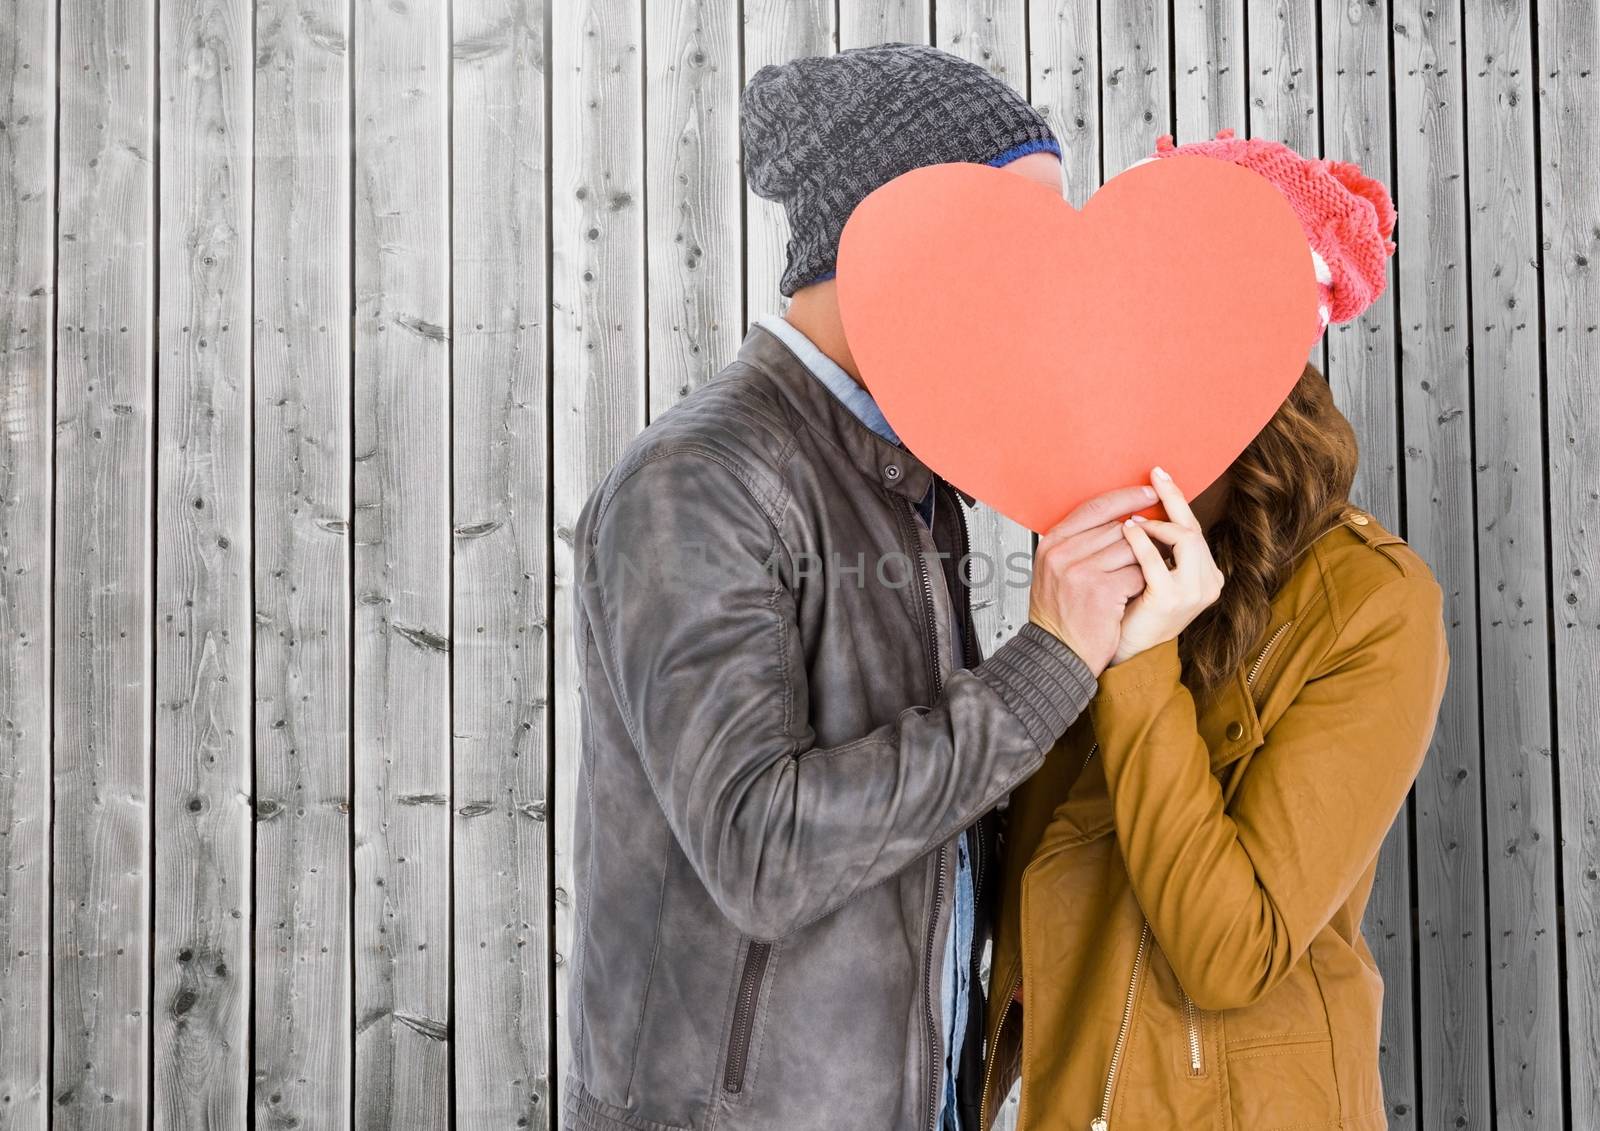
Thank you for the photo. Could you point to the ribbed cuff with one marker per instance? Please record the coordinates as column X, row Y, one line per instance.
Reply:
column 1044, row 682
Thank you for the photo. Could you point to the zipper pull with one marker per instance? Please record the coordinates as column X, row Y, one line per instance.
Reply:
column 1099, row 1125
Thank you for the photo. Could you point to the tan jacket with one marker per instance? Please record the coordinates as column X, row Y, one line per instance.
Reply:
column 1182, row 894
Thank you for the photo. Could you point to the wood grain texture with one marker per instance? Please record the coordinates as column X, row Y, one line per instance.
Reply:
column 103, row 680
column 403, row 627
column 203, row 622
column 398, row 345
column 1362, row 366
column 865, row 22
column 1437, row 422
column 500, row 748
column 1135, row 83
column 1569, row 167
column 776, row 31
column 597, row 327
column 27, row 377
column 1361, row 357
column 991, row 33
column 1208, row 41
column 1513, row 594
column 695, row 231
column 1064, row 86
column 1283, row 80
column 1282, row 87
column 303, row 1020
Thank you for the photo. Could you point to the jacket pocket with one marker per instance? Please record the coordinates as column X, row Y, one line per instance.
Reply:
column 744, row 1015
column 1284, row 1086
column 584, row 1111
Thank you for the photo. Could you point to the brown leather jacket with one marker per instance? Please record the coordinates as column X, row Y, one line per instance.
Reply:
column 1183, row 889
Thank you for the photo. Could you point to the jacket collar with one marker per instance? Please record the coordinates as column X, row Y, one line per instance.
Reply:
column 890, row 465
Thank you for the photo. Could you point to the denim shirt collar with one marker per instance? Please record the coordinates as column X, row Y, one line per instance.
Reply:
column 844, row 387
column 895, row 469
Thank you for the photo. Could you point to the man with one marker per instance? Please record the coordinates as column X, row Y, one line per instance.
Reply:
column 790, row 739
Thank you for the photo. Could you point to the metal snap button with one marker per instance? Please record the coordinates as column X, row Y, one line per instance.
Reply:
column 891, row 471
column 1359, row 519
column 1235, row 731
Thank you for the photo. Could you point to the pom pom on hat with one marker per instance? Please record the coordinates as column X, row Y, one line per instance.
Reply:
column 1346, row 215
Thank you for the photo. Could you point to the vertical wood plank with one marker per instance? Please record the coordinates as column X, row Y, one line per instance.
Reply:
column 776, row 31
column 27, row 376
column 1208, row 41
column 1284, row 73
column 1361, row 367
column 1357, row 88
column 1283, row 84
column 203, row 552
column 1514, row 632
column 1064, row 85
column 598, row 339
column 100, row 989
column 1569, row 155
column 863, row 23
column 1135, row 82
column 304, row 1026
column 994, row 35
column 402, row 566
column 990, row 33
column 1433, row 266
column 695, row 232
column 501, row 555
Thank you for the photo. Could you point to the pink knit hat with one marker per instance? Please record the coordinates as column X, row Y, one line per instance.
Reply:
column 1347, row 216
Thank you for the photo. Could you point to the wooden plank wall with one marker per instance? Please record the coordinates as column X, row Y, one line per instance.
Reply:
column 301, row 1005
column 318, row 322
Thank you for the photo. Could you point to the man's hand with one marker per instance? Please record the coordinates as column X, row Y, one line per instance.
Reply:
column 1085, row 573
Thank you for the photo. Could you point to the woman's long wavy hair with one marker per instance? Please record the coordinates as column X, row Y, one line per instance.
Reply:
column 1291, row 485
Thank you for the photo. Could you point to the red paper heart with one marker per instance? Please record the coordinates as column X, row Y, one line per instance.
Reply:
column 1035, row 355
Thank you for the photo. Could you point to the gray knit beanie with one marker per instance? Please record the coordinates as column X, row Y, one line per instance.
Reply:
column 820, row 133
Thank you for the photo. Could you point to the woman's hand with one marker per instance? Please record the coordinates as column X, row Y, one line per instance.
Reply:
column 1173, row 595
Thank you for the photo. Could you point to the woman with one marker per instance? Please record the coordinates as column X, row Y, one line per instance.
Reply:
column 1179, row 943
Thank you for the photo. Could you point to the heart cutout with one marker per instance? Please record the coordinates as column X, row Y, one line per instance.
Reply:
column 1036, row 355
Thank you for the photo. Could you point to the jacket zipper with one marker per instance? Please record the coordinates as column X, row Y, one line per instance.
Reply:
column 936, row 682
column 988, row 1069
column 1255, row 669
column 1103, row 1121
column 982, row 827
column 1191, row 1019
column 933, row 1022
column 744, row 1015
column 1191, row 1012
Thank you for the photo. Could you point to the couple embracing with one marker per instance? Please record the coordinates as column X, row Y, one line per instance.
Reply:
column 809, row 805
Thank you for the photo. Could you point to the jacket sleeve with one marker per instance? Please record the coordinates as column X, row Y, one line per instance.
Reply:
column 689, row 593
column 1235, row 898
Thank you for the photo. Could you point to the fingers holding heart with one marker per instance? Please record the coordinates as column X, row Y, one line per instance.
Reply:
column 1154, row 566
column 1101, row 511
column 1173, row 594
column 1176, row 543
column 1085, row 543
column 1172, row 499
column 1116, row 556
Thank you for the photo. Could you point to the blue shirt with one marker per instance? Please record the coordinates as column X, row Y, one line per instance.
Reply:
column 955, row 982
